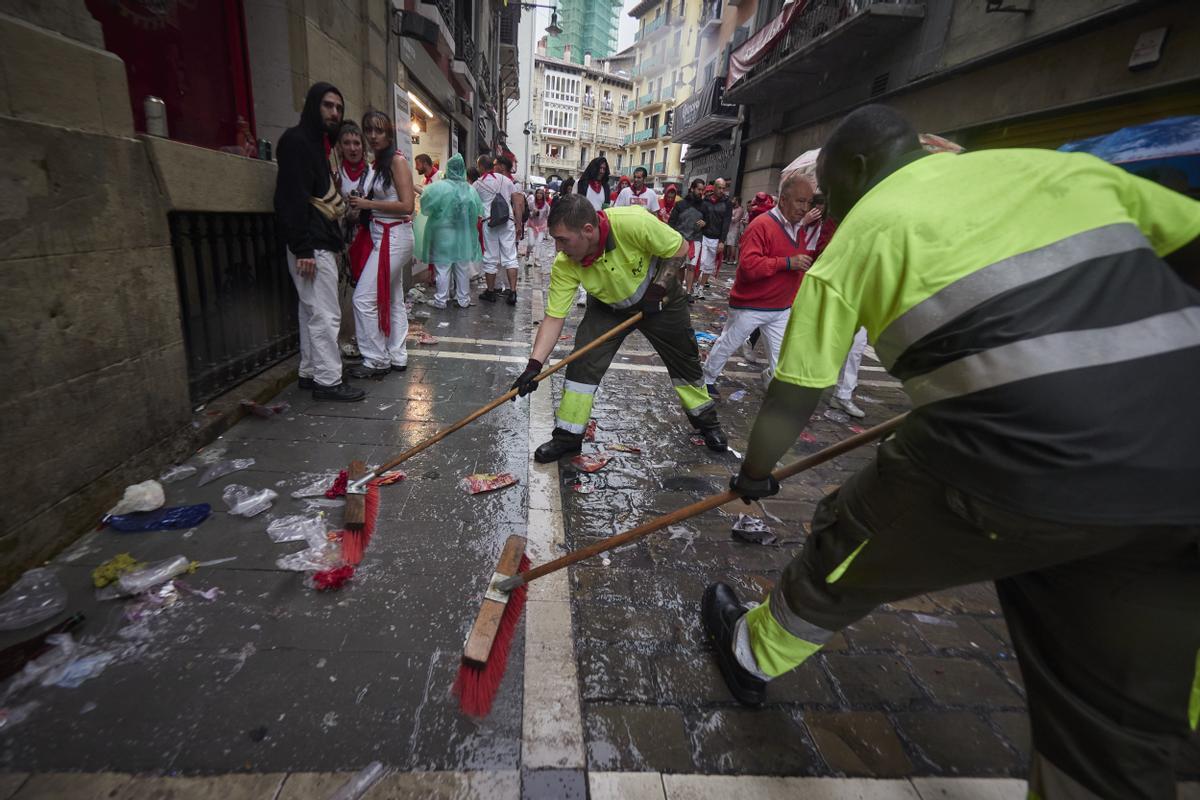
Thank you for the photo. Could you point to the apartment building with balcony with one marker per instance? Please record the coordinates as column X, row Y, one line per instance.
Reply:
column 579, row 112
column 1017, row 73
column 666, row 47
column 589, row 27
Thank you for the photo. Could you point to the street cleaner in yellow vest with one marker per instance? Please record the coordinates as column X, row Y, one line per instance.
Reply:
column 628, row 261
column 1035, row 307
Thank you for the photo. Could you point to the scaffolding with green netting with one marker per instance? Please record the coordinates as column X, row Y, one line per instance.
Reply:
column 589, row 27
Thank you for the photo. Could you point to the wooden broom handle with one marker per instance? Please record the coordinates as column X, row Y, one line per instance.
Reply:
column 509, row 395
column 700, row 506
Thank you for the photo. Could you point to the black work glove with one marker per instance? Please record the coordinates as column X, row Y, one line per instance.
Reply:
column 750, row 489
column 652, row 300
column 525, row 383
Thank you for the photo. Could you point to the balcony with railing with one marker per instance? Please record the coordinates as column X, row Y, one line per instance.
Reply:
column 647, row 99
column 806, row 40
column 644, row 134
column 650, row 28
column 664, row 130
column 464, row 53
column 660, row 168
column 710, row 16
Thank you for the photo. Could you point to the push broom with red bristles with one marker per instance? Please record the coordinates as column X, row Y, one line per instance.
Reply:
column 485, row 656
column 362, row 490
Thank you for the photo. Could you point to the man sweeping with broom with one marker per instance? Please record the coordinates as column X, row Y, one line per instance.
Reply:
column 1033, row 304
column 629, row 262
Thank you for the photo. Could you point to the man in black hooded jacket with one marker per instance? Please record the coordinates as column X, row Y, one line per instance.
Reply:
column 305, row 199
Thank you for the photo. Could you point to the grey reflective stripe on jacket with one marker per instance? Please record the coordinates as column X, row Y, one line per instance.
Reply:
column 638, row 293
column 982, row 285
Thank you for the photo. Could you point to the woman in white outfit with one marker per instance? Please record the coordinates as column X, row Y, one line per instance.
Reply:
column 539, row 215
column 380, row 318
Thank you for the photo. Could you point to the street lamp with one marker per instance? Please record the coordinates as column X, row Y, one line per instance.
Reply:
column 553, row 29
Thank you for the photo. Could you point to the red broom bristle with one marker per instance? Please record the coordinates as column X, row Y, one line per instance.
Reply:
column 354, row 542
column 476, row 687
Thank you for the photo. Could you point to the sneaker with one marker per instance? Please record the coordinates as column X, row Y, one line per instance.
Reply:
column 489, row 295
column 464, row 305
column 700, row 294
column 748, row 353
column 561, row 444
column 719, row 614
column 350, row 350
column 437, row 305
column 307, row 384
column 691, row 299
column 399, row 367
column 714, row 439
column 849, row 406
column 362, row 371
column 338, row 393
column 713, row 391
column 510, row 297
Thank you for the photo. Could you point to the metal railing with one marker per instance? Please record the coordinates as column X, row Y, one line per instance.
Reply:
column 464, row 46
column 237, row 301
column 664, row 130
column 644, row 134
column 710, row 14
column 660, row 168
column 446, row 9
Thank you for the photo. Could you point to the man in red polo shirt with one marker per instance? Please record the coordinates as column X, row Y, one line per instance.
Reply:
column 777, row 249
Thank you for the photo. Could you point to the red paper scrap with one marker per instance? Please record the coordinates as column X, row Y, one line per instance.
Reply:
column 478, row 482
column 805, row 436
column 338, row 488
column 388, row 478
column 589, row 463
column 426, row 338
column 583, row 488
column 857, row 429
column 698, row 441
column 332, row 578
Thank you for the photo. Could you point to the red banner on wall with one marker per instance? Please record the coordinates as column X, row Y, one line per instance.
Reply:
column 761, row 43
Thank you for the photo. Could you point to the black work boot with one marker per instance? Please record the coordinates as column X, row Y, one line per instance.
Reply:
column 719, row 612
column 307, row 384
column 510, row 297
column 338, row 393
column 714, row 438
column 363, row 371
column 562, row 443
column 489, row 295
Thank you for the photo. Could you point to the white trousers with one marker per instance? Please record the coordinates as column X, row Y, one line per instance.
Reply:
column 708, row 255
column 541, row 246
column 848, row 377
column 377, row 351
column 462, row 277
column 741, row 323
column 320, row 318
column 499, row 247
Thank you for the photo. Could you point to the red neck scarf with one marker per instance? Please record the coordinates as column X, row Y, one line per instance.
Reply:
column 603, row 241
column 354, row 171
column 595, row 186
column 327, row 144
column 638, row 192
column 539, row 201
column 429, row 176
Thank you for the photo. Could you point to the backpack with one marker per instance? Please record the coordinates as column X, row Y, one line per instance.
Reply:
column 498, row 213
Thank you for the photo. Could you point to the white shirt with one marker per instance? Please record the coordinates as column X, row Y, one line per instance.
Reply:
column 597, row 199
column 494, row 184
column 792, row 229
column 362, row 185
column 648, row 199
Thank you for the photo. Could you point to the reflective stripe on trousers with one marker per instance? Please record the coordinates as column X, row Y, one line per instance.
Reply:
column 575, row 407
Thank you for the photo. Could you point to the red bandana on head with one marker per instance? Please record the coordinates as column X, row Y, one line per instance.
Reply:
column 603, row 241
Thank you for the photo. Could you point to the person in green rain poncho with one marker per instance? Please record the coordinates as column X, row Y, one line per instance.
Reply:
column 446, row 231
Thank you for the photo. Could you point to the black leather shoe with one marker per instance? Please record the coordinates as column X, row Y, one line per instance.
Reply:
column 719, row 613
column 488, row 295
column 562, row 444
column 399, row 367
column 715, row 439
column 510, row 297
column 339, row 393
column 362, row 371
column 307, row 384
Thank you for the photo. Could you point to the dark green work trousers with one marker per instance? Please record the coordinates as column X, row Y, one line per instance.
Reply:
column 1105, row 621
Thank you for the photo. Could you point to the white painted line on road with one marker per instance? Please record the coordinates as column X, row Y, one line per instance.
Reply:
column 722, row 787
column 552, row 720
column 626, row 786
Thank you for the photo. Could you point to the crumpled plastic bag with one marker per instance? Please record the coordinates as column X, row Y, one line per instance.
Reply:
column 479, row 482
column 299, row 527
column 67, row 664
column 37, row 596
column 220, row 469
column 145, row 579
column 314, row 559
column 144, row 496
column 164, row 519
column 177, row 472
column 246, row 502
column 753, row 530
